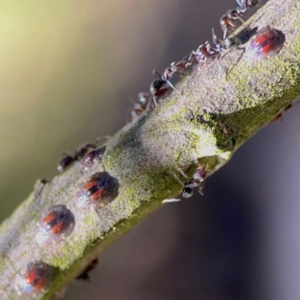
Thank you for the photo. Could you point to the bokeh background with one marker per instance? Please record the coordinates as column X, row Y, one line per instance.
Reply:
column 68, row 70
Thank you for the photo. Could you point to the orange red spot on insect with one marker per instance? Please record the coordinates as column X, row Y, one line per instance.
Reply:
column 34, row 278
column 56, row 224
column 99, row 190
column 266, row 43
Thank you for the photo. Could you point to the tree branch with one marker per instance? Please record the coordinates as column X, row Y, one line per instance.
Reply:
column 213, row 111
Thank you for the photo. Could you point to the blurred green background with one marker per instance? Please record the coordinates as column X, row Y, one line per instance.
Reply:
column 68, row 70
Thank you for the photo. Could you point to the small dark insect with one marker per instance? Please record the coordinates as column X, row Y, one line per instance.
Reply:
column 99, row 190
column 90, row 158
column 196, row 182
column 84, row 276
column 65, row 162
column 266, row 43
column 160, row 87
column 33, row 278
column 69, row 159
column 83, row 150
column 188, row 188
column 56, row 224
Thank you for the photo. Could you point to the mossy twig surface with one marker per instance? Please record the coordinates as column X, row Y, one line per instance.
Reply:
column 214, row 110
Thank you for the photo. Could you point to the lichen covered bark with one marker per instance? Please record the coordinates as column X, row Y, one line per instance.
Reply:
column 214, row 110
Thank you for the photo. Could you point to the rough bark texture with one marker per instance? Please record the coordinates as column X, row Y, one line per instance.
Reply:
column 213, row 111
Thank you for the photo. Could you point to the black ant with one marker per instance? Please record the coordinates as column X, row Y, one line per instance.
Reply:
column 90, row 158
column 212, row 50
column 197, row 182
column 207, row 51
column 65, row 162
column 162, row 86
column 69, row 159
column 83, row 150
column 159, row 88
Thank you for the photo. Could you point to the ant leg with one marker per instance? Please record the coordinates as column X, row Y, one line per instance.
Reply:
column 200, row 188
column 157, row 74
column 154, row 102
column 200, row 177
column 182, row 173
column 170, row 84
column 240, row 57
column 225, row 33
column 240, row 4
column 240, row 19
column 192, row 58
column 175, row 176
column 184, row 64
column 172, row 200
column 201, row 170
column 214, row 36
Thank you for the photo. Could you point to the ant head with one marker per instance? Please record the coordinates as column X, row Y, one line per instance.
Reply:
column 156, row 85
column 187, row 192
column 65, row 162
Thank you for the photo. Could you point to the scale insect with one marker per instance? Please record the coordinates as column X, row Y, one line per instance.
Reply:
column 98, row 190
column 34, row 278
column 265, row 43
column 56, row 223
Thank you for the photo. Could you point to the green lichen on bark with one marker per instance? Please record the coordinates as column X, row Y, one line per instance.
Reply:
column 213, row 111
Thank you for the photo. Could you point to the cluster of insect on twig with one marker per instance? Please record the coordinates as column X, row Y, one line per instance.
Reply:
column 100, row 189
column 266, row 42
column 204, row 54
column 163, row 86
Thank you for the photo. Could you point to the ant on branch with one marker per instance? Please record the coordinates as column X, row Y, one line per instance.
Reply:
column 196, row 182
column 228, row 20
column 162, row 86
column 212, row 50
column 208, row 51
column 69, row 159
column 81, row 153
